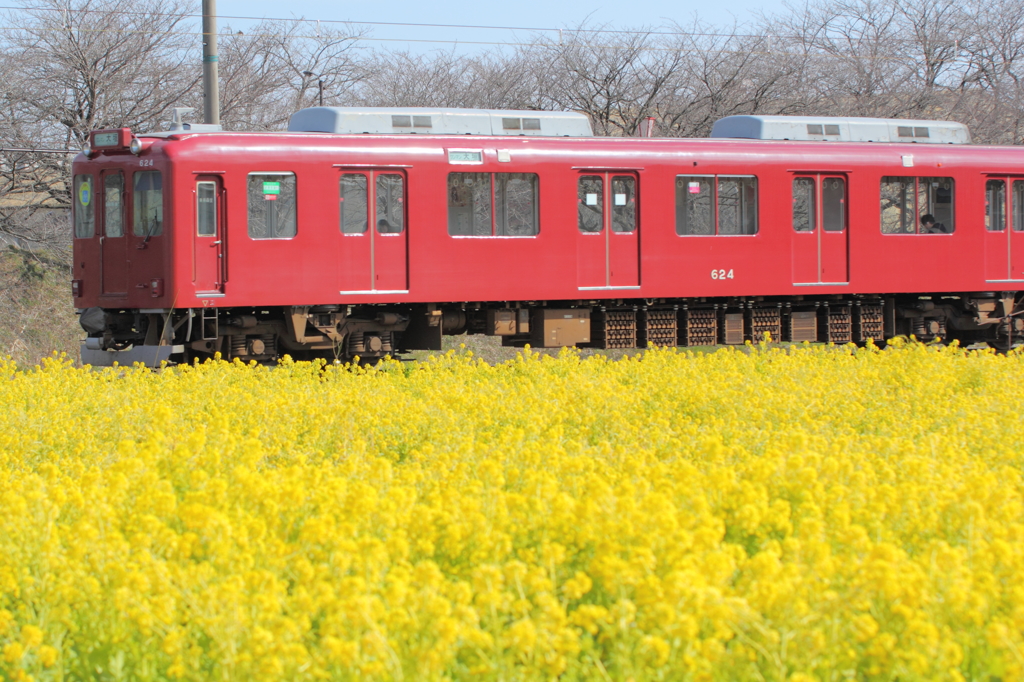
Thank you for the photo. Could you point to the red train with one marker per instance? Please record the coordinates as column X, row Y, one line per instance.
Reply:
column 363, row 232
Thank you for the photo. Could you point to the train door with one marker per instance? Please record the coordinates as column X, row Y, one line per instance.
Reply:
column 209, row 234
column 1004, row 229
column 374, row 246
column 608, row 245
column 113, row 241
column 820, row 229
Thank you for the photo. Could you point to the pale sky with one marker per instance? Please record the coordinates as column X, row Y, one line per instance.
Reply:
column 514, row 13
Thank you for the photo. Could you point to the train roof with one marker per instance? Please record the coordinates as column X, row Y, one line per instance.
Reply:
column 840, row 129
column 440, row 121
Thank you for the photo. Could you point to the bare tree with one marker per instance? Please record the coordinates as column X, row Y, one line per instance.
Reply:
column 76, row 65
column 615, row 78
column 724, row 74
column 995, row 48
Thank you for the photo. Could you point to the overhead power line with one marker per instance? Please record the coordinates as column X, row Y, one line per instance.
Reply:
column 39, row 151
column 769, row 52
column 476, row 27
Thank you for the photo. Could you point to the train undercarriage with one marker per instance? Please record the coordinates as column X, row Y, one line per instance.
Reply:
column 369, row 332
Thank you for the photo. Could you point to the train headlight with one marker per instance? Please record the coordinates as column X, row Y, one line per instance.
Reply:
column 135, row 147
column 87, row 149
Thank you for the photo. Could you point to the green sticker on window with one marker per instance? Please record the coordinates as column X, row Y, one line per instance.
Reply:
column 271, row 187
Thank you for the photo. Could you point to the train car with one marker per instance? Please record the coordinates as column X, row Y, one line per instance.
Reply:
column 367, row 232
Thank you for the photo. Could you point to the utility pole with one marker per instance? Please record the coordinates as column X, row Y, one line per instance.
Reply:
column 211, row 92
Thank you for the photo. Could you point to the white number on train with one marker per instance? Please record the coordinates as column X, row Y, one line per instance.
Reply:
column 721, row 274
column 145, row 162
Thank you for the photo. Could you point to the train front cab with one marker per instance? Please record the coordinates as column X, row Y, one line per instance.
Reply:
column 120, row 246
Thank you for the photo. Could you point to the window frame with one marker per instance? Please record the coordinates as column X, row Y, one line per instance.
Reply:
column 916, row 188
column 295, row 208
column 199, row 211
column 495, row 211
column 1016, row 207
column 365, row 198
column 138, row 205
column 716, row 203
column 119, row 212
column 599, row 203
column 86, row 218
column 377, row 177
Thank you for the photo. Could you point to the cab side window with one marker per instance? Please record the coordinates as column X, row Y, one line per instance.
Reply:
column 148, row 203
column 82, row 207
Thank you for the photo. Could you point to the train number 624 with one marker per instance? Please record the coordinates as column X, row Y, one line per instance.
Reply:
column 721, row 274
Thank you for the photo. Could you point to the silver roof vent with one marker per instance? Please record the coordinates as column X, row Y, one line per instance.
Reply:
column 825, row 128
column 423, row 120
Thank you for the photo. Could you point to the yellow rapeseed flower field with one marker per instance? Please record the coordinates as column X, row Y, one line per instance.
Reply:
column 791, row 514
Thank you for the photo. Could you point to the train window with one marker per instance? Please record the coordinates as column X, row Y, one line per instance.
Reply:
column 708, row 205
column 113, row 205
column 590, row 197
column 831, row 129
column 737, row 205
column 1018, row 205
column 390, row 204
column 515, row 204
column 804, row 205
column 148, row 204
column 833, row 204
column 908, row 203
column 272, row 199
column 510, row 124
column 352, row 202
column 623, row 204
column 206, row 209
column 897, row 205
column 995, row 205
column 469, row 204
column 935, row 199
column 695, row 204
column 85, row 217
